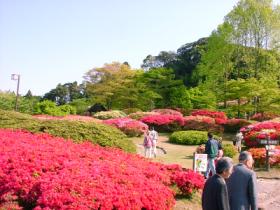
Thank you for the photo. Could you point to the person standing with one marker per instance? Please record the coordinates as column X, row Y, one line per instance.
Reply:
column 211, row 149
column 238, row 140
column 242, row 184
column 215, row 194
column 154, row 137
column 147, row 144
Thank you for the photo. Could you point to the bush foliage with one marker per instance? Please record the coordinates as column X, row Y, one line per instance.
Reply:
column 103, row 135
column 190, row 137
column 105, row 115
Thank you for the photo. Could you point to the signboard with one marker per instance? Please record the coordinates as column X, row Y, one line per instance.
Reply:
column 200, row 162
column 270, row 141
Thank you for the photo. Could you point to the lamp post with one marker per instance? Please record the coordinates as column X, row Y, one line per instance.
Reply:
column 16, row 77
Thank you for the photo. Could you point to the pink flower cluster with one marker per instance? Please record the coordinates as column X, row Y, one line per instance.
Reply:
column 163, row 119
column 260, row 130
column 129, row 126
column 259, row 155
column 42, row 172
column 168, row 112
column 68, row 117
column 220, row 117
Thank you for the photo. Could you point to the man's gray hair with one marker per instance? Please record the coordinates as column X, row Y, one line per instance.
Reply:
column 244, row 156
column 223, row 164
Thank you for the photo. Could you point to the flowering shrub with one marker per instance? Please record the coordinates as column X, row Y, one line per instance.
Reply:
column 68, row 117
column 209, row 113
column 139, row 115
column 202, row 123
column 256, row 131
column 38, row 171
column 168, row 111
column 233, row 125
column 164, row 122
column 129, row 126
column 104, row 115
column 263, row 116
column 259, row 155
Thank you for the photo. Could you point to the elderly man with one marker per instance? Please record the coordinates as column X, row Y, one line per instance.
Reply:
column 242, row 184
column 215, row 194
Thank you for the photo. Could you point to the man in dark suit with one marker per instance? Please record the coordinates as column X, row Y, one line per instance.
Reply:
column 215, row 194
column 242, row 184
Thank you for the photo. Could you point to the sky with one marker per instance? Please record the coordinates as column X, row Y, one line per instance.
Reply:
column 48, row 42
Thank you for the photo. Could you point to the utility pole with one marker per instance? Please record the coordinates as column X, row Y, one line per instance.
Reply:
column 16, row 77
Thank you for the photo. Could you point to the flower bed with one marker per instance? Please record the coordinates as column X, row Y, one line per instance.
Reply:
column 256, row 131
column 129, row 126
column 164, row 122
column 38, row 171
column 202, row 123
column 259, row 155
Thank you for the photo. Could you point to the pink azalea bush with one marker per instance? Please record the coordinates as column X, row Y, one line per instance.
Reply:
column 260, row 130
column 220, row 116
column 38, row 171
column 164, row 122
column 168, row 112
column 129, row 126
column 259, row 155
column 202, row 123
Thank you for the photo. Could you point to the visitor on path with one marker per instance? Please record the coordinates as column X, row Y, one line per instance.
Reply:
column 238, row 140
column 242, row 184
column 147, row 144
column 154, row 136
column 215, row 194
column 211, row 149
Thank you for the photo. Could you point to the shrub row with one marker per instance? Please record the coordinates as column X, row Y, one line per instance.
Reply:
column 97, row 133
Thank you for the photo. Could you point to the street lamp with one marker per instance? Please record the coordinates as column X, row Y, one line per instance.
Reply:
column 16, row 77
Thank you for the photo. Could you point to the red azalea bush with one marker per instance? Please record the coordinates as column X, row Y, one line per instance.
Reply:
column 202, row 123
column 233, row 125
column 168, row 111
column 164, row 122
column 129, row 126
column 259, row 155
column 38, row 171
column 214, row 114
column 256, row 131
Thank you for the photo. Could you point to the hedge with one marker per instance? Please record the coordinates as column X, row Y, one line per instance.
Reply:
column 103, row 135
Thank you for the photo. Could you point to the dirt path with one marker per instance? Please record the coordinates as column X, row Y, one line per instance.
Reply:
column 268, row 189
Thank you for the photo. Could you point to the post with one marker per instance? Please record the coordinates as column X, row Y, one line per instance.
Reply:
column 16, row 77
column 267, row 153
